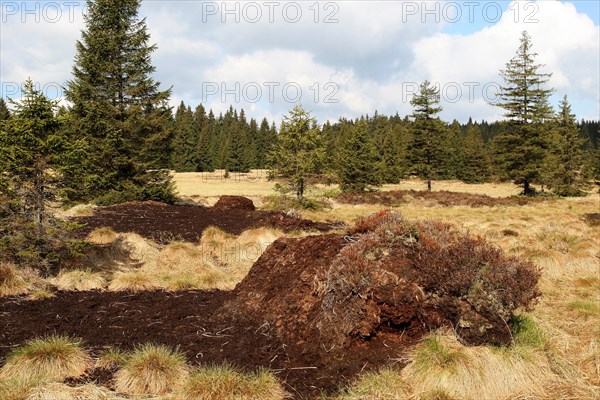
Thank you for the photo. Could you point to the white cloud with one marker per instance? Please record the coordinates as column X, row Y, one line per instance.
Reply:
column 376, row 53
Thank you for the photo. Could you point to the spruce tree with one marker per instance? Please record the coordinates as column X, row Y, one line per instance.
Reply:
column 236, row 151
column 186, row 138
column 425, row 151
column 357, row 159
column 31, row 162
column 117, row 107
column 298, row 152
column 521, row 150
column 475, row 166
column 569, row 175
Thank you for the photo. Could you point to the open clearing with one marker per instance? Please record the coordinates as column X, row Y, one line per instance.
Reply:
column 259, row 324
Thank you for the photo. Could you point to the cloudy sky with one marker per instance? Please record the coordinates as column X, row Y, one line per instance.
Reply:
column 336, row 58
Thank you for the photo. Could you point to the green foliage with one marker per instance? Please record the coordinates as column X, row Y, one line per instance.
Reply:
column 357, row 159
column 31, row 172
column 118, row 113
column 568, row 175
column 299, row 150
column 286, row 203
column 526, row 332
column 185, row 157
column 475, row 165
column 426, row 153
column 521, row 151
column 4, row 111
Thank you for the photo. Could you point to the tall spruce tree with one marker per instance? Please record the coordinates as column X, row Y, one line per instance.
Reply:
column 425, row 151
column 356, row 160
column 568, row 171
column 117, row 107
column 521, row 150
column 298, row 152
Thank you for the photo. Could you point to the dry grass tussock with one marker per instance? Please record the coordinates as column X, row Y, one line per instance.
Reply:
column 53, row 359
column 151, row 370
column 442, row 368
column 102, row 236
column 79, row 280
column 15, row 281
column 226, row 383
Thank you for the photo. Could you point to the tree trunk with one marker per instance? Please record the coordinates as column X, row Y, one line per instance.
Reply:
column 300, row 190
column 429, row 184
column 527, row 188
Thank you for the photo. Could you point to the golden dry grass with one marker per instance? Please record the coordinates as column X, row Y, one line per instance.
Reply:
column 212, row 184
column 132, row 281
column 15, row 281
column 151, row 370
column 385, row 384
column 226, row 383
column 79, row 280
column 53, row 358
column 18, row 389
column 102, row 236
column 60, row 391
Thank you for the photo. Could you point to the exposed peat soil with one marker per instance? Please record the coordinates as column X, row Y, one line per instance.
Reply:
column 164, row 223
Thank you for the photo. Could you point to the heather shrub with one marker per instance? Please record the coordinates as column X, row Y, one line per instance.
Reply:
column 399, row 272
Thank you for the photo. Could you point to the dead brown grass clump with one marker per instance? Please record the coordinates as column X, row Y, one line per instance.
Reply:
column 151, row 370
column 79, row 280
column 15, row 281
column 226, row 383
column 53, row 358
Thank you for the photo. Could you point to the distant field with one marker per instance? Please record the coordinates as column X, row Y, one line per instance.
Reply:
column 255, row 183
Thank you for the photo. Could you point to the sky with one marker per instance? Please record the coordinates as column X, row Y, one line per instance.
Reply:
column 335, row 58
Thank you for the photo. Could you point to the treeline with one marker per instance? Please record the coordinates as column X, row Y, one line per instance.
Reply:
column 202, row 142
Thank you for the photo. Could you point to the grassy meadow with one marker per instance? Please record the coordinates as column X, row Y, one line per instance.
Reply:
column 556, row 354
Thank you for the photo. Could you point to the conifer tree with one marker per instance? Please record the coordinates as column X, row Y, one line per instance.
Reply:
column 568, row 172
column 521, row 150
column 475, row 166
column 31, row 149
column 236, row 151
column 185, row 140
column 357, row 159
column 425, row 151
column 298, row 152
column 117, row 107
column 206, row 153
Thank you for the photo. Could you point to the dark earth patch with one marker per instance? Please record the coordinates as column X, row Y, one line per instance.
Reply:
column 442, row 198
column 192, row 321
column 164, row 223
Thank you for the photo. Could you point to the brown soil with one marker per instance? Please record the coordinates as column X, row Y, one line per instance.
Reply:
column 165, row 223
column 316, row 311
column 193, row 321
column 442, row 198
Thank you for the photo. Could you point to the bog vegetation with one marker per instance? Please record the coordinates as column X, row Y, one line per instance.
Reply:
column 118, row 140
